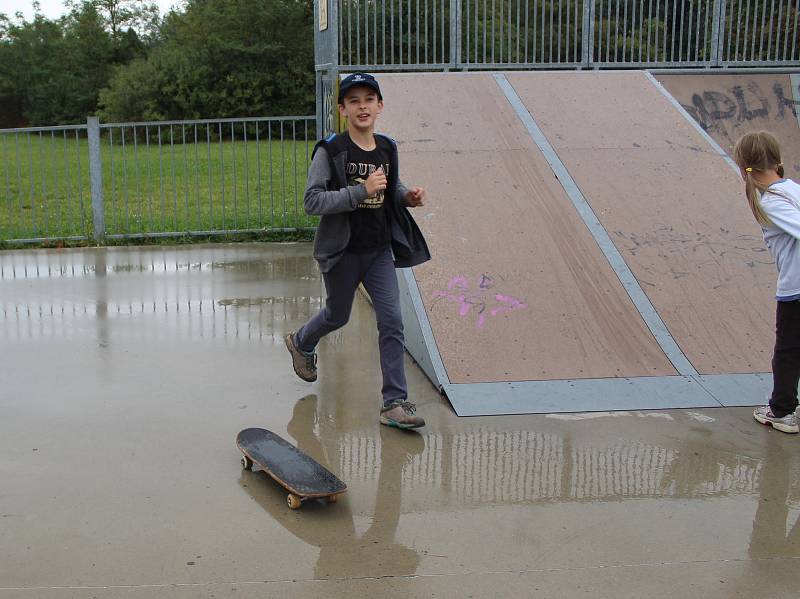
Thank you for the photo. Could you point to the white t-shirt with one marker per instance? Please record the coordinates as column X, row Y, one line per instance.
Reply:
column 783, row 236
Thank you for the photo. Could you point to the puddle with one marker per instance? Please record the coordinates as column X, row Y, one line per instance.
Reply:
column 244, row 302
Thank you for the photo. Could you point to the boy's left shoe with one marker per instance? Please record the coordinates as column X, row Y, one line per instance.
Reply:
column 304, row 363
column 401, row 414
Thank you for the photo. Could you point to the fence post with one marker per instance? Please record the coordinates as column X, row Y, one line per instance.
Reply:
column 455, row 33
column 326, row 59
column 588, row 34
column 96, row 179
column 718, row 32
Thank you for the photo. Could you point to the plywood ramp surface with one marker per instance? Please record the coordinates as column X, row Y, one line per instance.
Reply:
column 518, row 288
column 728, row 106
column 674, row 209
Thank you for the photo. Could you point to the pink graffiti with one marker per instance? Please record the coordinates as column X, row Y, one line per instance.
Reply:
column 458, row 291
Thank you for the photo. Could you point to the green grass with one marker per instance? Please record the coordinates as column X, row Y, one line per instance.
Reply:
column 150, row 189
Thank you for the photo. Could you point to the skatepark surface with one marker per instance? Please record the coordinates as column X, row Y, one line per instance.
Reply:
column 127, row 373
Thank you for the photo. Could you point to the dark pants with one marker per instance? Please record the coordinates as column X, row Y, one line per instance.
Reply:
column 786, row 359
column 376, row 271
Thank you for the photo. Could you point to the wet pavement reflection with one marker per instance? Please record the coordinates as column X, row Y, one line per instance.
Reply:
column 344, row 552
column 127, row 373
column 63, row 289
column 776, row 525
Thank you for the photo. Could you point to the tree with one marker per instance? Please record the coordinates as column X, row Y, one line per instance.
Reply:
column 52, row 71
column 134, row 93
column 120, row 16
column 27, row 71
column 222, row 58
column 88, row 60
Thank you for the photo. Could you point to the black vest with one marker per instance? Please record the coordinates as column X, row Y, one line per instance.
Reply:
column 408, row 243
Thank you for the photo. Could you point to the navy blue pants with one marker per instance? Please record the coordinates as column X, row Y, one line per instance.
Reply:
column 786, row 359
column 376, row 271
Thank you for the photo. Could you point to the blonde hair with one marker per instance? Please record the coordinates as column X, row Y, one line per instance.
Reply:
column 757, row 152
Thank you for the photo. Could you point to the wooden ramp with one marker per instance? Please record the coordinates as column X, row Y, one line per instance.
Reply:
column 592, row 246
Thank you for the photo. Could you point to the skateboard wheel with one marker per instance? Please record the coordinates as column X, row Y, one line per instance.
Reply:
column 333, row 499
column 293, row 501
column 247, row 463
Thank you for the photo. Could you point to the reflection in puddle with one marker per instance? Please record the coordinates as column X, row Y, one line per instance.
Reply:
column 176, row 320
column 245, row 302
column 485, row 466
column 47, row 294
column 392, row 475
column 345, row 551
column 482, row 465
column 263, row 262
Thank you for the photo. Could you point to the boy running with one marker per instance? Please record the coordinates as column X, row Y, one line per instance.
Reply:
column 364, row 233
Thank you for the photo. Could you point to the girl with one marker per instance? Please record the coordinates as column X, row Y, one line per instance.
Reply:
column 775, row 203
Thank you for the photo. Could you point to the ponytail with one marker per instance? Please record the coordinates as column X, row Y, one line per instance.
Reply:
column 754, row 200
column 761, row 152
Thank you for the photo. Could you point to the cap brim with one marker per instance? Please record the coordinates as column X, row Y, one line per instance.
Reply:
column 373, row 86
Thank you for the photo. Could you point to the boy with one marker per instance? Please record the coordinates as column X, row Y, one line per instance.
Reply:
column 364, row 234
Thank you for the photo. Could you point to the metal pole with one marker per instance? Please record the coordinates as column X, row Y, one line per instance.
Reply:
column 96, row 179
column 588, row 33
column 795, row 81
column 717, row 32
column 320, row 105
column 455, row 34
column 327, row 59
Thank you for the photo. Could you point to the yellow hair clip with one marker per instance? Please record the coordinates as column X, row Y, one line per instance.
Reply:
column 749, row 169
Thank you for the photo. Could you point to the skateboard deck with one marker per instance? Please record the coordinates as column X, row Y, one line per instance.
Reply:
column 295, row 471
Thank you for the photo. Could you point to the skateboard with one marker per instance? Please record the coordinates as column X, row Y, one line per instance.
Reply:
column 294, row 470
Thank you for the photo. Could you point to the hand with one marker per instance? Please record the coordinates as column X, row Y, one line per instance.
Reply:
column 375, row 183
column 416, row 196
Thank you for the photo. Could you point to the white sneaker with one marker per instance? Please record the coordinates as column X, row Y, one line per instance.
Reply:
column 787, row 424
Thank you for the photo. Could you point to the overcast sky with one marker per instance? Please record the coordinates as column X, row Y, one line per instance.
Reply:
column 54, row 8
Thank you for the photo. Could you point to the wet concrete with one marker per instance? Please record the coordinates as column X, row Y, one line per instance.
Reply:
column 127, row 372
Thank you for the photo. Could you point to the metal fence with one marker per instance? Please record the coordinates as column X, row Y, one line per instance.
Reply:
column 494, row 34
column 227, row 176
column 135, row 180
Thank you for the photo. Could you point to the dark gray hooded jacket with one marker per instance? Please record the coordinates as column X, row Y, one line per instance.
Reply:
column 327, row 195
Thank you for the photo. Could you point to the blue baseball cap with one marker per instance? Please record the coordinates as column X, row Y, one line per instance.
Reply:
column 356, row 80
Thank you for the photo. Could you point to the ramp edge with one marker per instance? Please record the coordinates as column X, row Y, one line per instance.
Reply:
column 607, row 395
column 682, row 111
column 419, row 338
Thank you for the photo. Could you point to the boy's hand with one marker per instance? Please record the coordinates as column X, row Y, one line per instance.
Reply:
column 416, row 196
column 375, row 182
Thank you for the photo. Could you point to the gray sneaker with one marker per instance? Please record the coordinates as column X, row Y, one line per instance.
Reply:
column 401, row 414
column 787, row 424
column 305, row 364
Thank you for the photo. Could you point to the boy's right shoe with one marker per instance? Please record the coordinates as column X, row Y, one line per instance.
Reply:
column 401, row 414
column 787, row 424
column 305, row 364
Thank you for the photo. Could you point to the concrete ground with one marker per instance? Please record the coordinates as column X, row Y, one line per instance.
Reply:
column 127, row 372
